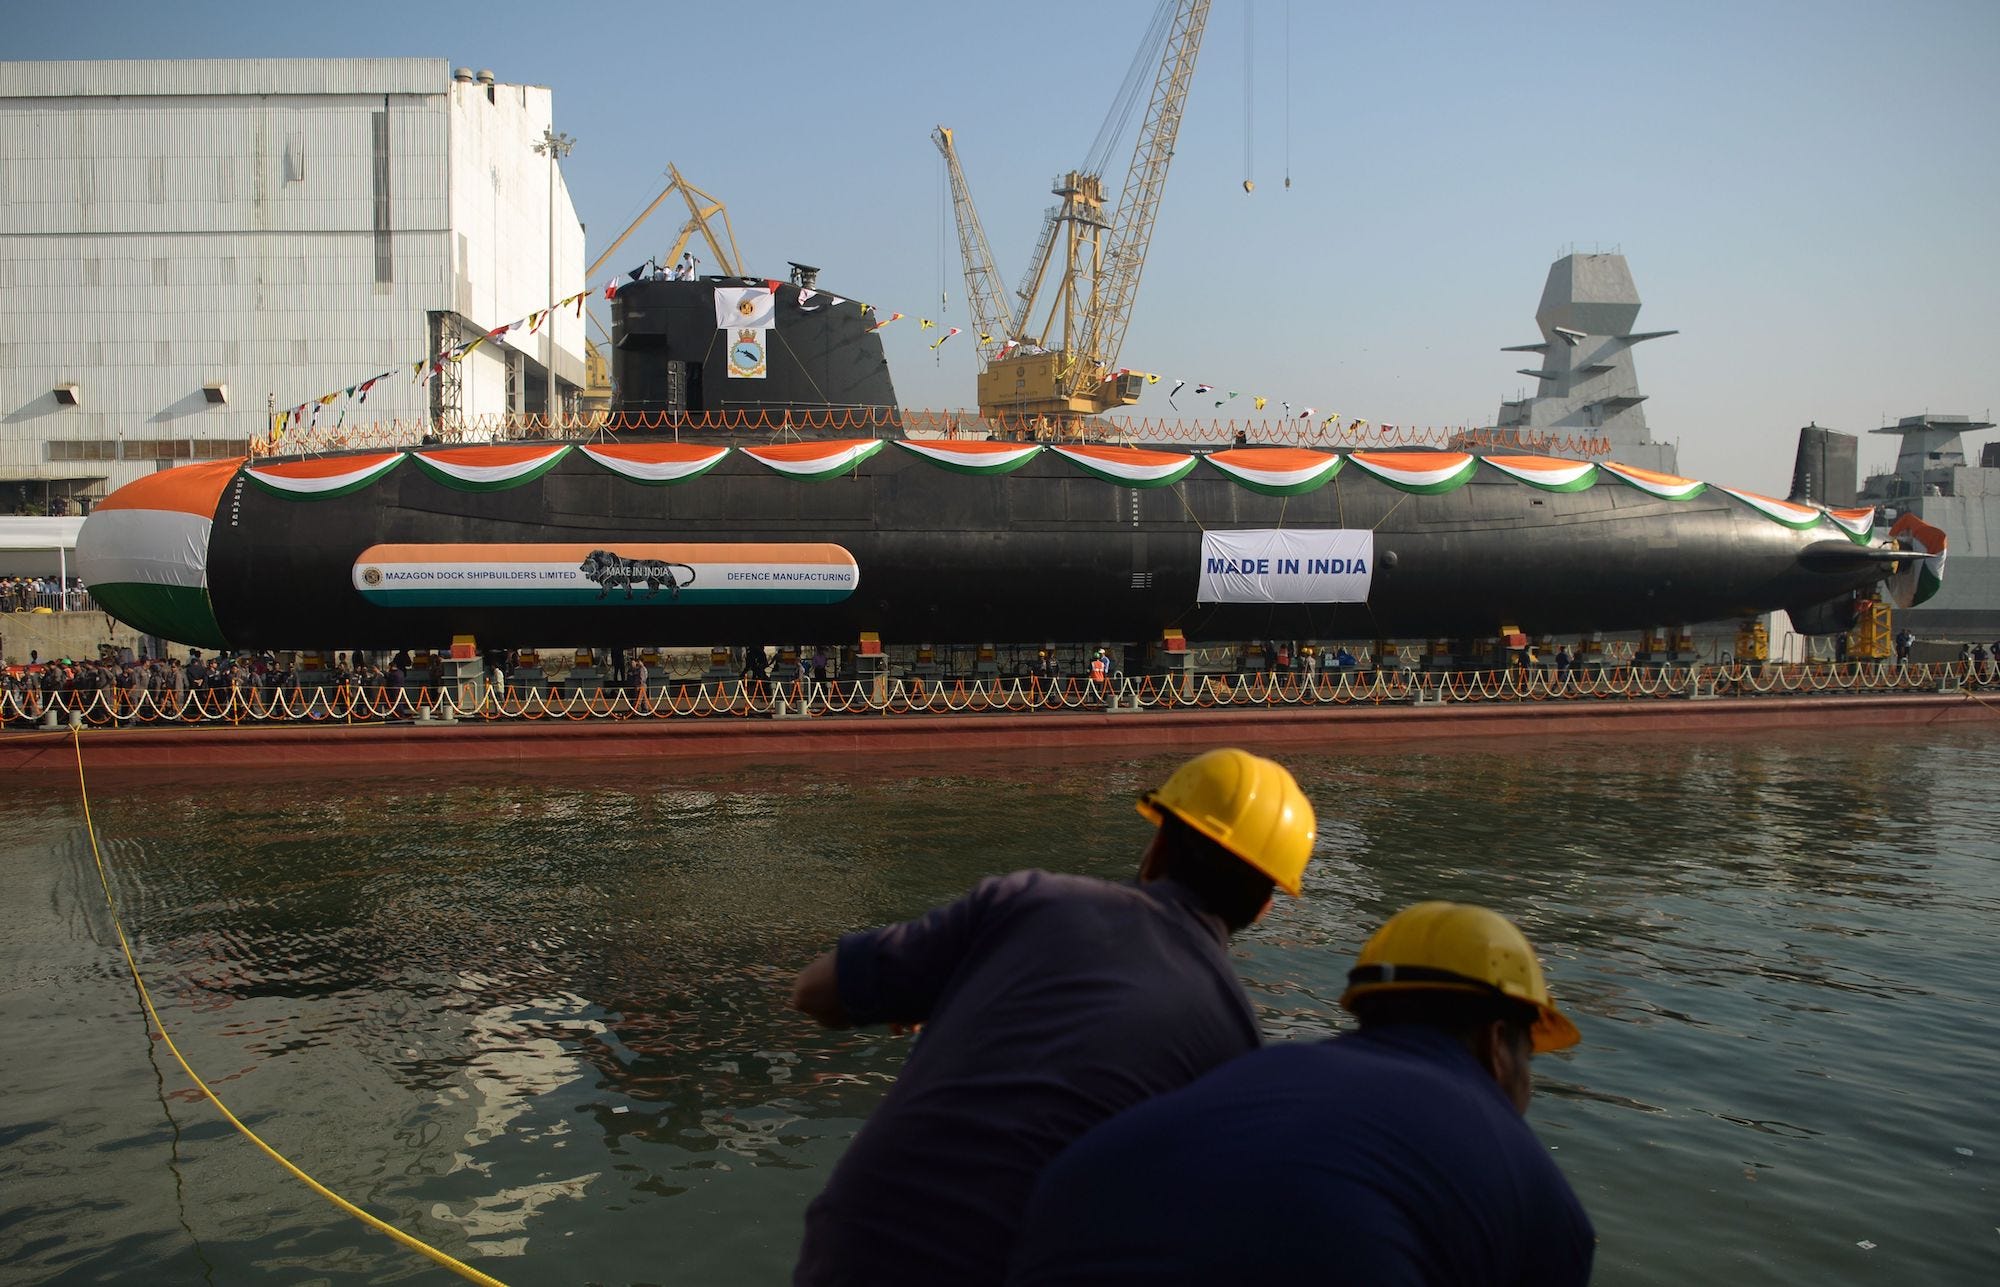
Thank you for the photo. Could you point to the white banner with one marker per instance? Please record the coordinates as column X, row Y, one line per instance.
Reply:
column 751, row 308
column 1284, row 565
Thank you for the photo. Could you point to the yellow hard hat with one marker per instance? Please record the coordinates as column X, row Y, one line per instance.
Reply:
column 1249, row 805
column 1457, row 947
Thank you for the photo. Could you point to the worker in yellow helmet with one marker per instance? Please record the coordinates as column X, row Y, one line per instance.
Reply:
column 1396, row 1154
column 1048, row 1003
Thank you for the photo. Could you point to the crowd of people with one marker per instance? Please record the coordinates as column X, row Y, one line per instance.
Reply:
column 116, row 680
column 1089, row 1099
column 27, row 593
column 119, row 679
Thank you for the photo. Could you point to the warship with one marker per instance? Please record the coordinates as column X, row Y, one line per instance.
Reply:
column 1935, row 484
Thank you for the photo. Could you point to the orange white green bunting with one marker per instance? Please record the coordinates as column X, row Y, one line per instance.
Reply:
column 1546, row 472
column 1425, row 472
column 1664, row 486
column 973, row 457
column 815, row 460
column 656, row 463
column 1859, row 524
column 1277, row 471
column 1790, row 513
column 323, row 477
column 1129, row 466
column 489, row 468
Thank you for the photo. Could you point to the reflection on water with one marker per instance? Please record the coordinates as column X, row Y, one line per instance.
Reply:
column 539, row 1022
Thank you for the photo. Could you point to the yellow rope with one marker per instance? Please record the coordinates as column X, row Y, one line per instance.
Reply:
column 422, row 1248
column 1987, row 702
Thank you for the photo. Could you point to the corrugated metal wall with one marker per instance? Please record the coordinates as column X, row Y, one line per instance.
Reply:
column 280, row 227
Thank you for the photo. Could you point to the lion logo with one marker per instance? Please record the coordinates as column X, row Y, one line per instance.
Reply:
column 611, row 571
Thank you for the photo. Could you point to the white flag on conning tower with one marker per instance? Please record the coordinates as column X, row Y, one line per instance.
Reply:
column 739, row 308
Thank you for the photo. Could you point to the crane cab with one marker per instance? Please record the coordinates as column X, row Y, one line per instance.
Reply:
column 1033, row 384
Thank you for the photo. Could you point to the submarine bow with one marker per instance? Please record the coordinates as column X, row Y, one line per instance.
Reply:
column 144, row 552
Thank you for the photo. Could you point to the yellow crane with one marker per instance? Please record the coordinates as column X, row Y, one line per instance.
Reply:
column 701, row 208
column 983, row 288
column 1085, row 268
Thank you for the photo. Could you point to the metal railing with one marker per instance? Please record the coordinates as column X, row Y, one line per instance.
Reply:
column 476, row 700
column 1260, row 428
column 16, row 600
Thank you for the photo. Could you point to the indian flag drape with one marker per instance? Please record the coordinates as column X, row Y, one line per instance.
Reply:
column 323, row 477
column 1546, row 472
column 656, row 463
column 488, row 469
column 1664, row 486
column 1790, row 513
column 971, row 457
column 1129, row 466
column 144, row 551
column 1277, row 471
column 1426, row 473
column 815, row 460
column 1859, row 524
column 1910, row 533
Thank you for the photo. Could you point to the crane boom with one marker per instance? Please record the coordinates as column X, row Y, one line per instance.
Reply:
column 1038, row 266
column 983, row 286
column 1132, row 228
column 728, row 261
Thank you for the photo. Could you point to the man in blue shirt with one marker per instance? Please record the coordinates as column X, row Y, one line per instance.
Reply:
column 1049, row 1003
column 1395, row 1156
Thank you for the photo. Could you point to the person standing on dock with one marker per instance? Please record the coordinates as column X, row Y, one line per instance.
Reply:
column 1395, row 1154
column 1049, row 1002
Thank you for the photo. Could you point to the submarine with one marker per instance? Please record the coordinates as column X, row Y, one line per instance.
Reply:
column 800, row 504
column 692, row 543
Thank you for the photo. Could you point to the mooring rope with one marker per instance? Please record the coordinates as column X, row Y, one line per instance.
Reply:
column 415, row 1244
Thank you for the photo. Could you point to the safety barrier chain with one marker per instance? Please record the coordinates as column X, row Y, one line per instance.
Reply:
column 740, row 698
column 875, row 422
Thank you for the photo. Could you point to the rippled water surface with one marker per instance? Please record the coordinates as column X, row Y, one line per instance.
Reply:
column 536, row 1017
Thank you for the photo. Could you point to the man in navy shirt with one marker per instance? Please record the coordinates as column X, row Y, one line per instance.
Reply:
column 1395, row 1156
column 1049, row 1003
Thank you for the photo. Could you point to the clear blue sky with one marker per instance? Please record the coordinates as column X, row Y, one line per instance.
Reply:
column 1805, row 189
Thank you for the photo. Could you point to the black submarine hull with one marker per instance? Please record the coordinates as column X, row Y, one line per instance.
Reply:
column 889, row 540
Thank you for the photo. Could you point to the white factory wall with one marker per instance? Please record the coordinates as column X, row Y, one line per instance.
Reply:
column 500, row 236
column 165, row 225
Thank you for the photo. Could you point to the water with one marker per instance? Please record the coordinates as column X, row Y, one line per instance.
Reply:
column 536, row 1018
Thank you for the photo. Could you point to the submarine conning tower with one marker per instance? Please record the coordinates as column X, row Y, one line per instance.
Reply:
column 672, row 358
column 1586, row 383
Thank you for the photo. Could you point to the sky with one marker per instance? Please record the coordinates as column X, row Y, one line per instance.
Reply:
column 1807, row 190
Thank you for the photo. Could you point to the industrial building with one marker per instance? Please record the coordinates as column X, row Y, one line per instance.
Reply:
column 188, row 247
